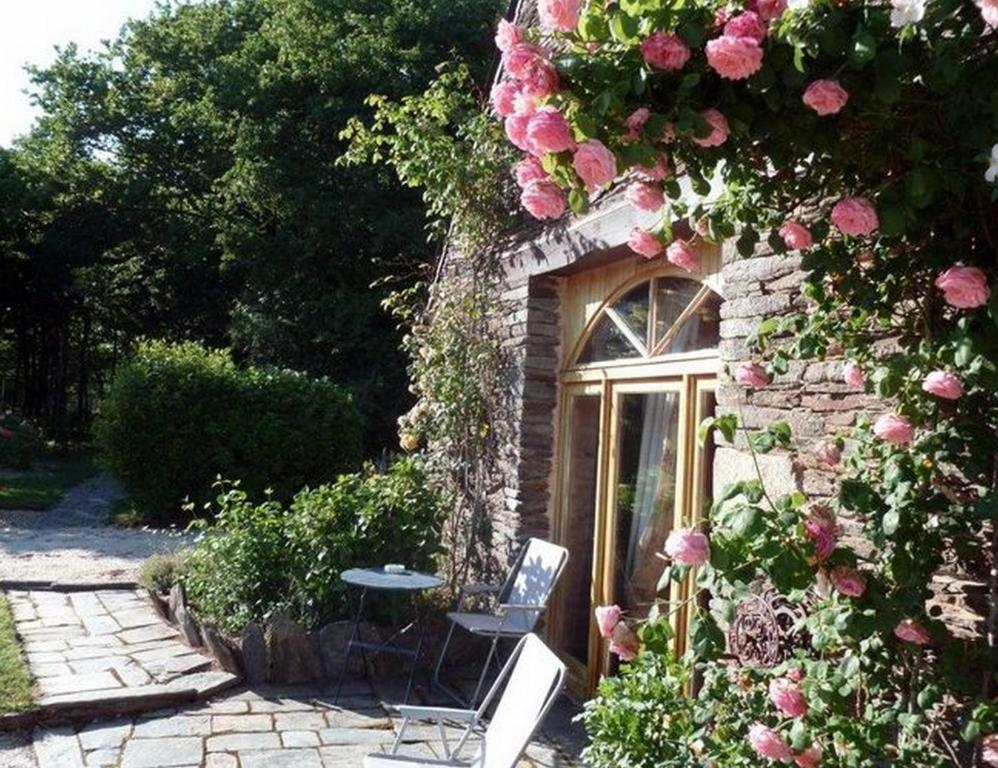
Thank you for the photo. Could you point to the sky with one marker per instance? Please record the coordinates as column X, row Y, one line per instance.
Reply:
column 29, row 32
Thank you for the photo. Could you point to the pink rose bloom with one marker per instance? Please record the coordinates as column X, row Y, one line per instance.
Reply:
column 543, row 199
column 770, row 9
column 964, row 287
column 663, row 50
column 687, row 547
column 826, row 97
column 848, row 581
column 607, row 617
column 796, row 674
column 516, row 131
column 595, row 164
column 910, row 631
column 822, row 529
column 828, row 453
column 520, row 57
column 943, row 384
column 507, row 35
column 524, row 103
column 809, row 758
column 787, row 697
column 734, row 58
column 624, row 642
column 5, row 433
column 540, row 79
column 751, row 376
column 559, row 15
column 747, row 24
column 681, row 255
column 636, row 122
column 989, row 744
column 894, row 429
column 989, row 12
column 504, row 97
column 718, row 129
column 647, row 197
column 529, row 169
column 796, row 236
column 769, row 743
column 644, row 243
column 852, row 375
column 855, row 216
column 657, row 172
column 548, row 131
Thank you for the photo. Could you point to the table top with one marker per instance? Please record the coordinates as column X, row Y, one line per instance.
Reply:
column 376, row 578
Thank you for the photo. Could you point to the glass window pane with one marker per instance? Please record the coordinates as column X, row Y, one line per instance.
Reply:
column 672, row 296
column 607, row 342
column 633, row 308
column 701, row 330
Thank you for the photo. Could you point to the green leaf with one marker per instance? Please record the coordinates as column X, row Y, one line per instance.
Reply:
column 890, row 522
column 624, row 28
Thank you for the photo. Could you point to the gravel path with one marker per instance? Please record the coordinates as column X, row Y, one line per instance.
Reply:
column 73, row 542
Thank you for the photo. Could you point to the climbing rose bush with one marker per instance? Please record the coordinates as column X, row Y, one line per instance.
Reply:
column 861, row 138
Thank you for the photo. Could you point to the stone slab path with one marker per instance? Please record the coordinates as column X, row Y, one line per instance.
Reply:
column 73, row 542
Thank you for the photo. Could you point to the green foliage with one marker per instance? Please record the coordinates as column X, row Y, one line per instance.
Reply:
column 256, row 559
column 178, row 415
column 20, row 443
column 15, row 679
column 43, row 485
column 159, row 573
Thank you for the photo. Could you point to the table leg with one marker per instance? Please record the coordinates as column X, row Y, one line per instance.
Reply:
column 421, row 633
column 350, row 642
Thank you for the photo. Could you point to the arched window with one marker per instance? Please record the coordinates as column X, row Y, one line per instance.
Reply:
column 661, row 316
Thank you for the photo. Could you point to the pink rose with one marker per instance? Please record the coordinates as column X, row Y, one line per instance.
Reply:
column 943, row 384
column 796, row 674
column 747, row 24
column 559, row 15
column 595, row 164
column 663, row 50
column 826, row 97
column 964, row 287
column 519, row 58
column 687, row 547
column 910, row 631
column 541, row 79
column 768, row 743
column 548, row 131
column 809, row 758
column 543, row 199
column 524, row 103
column 636, row 122
column 894, row 429
column 751, row 376
column 848, row 581
column 516, row 131
column 624, row 642
column 657, row 172
column 507, row 35
column 828, row 453
column 5, row 433
column 770, row 9
column 787, row 697
column 852, row 375
column 822, row 529
column 796, row 236
column 647, row 197
column 644, row 243
column 607, row 617
column 681, row 255
column 855, row 216
column 734, row 58
column 529, row 169
column 718, row 129
column 989, row 744
column 504, row 97
column 989, row 12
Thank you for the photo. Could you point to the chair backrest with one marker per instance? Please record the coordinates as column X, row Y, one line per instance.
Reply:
column 534, row 575
column 535, row 678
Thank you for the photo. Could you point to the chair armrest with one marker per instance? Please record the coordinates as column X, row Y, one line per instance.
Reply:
column 510, row 607
column 436, row 713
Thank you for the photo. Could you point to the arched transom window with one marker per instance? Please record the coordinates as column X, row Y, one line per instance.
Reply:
column 661, row 316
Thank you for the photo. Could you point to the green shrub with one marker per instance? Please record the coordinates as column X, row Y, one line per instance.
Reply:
column 160, row 572
column 20, row 443
column 178, row 416
column 255, row 559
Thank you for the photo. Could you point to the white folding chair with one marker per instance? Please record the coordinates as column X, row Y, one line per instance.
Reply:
column 521, row 601
column 535, row 678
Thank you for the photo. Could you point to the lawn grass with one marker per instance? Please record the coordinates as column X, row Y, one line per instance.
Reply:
column 15, row 680
column 44, row 484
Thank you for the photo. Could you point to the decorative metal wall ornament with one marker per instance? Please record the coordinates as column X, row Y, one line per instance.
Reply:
column 763, row 632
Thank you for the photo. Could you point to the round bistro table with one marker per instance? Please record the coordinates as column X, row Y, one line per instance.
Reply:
column 411, row 582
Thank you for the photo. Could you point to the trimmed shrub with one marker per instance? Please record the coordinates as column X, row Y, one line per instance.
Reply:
column 255, row 559
column 159, row 573
column 178, row 416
